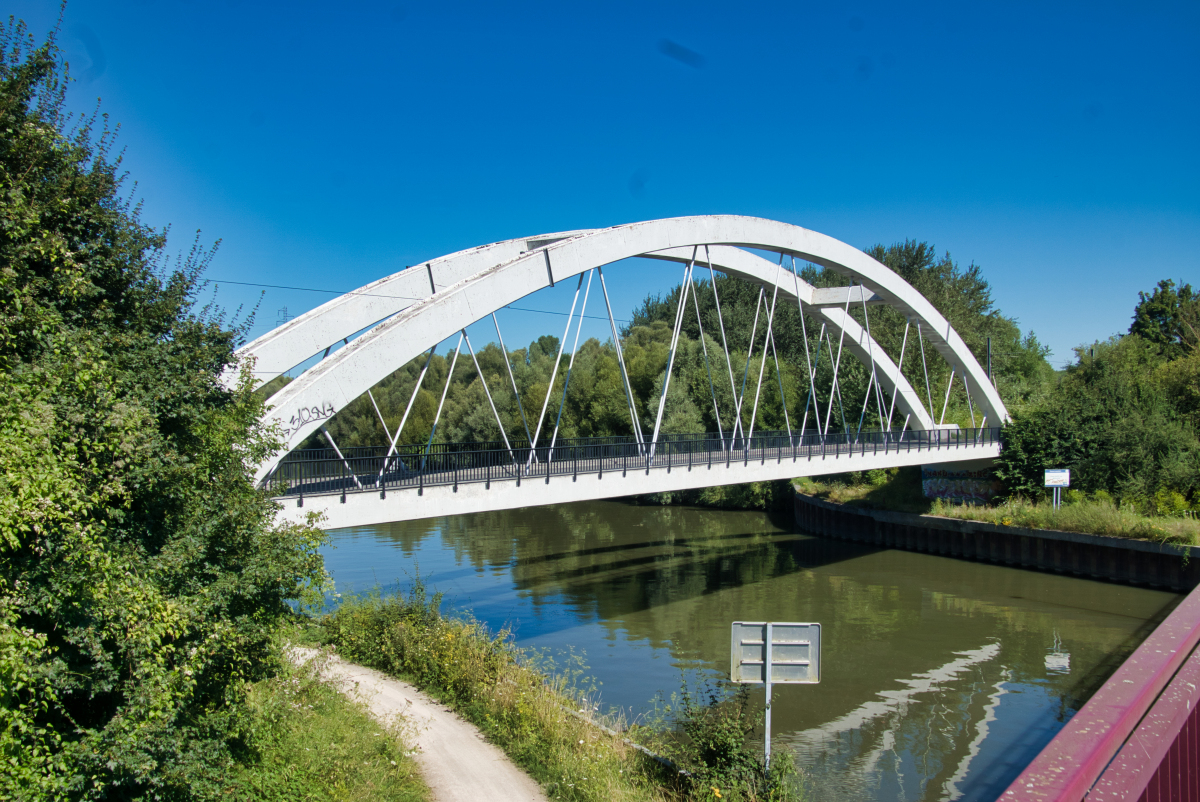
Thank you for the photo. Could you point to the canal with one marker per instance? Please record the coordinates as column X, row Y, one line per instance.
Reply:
column 941, row 678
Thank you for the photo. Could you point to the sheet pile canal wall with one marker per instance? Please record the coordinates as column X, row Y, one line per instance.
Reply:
column 1114, row 559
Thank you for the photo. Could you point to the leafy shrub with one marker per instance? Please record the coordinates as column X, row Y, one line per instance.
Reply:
column 141, row 573
column 1123, row 422
column 877, row 477
column 1169, row 502
column 712, row 740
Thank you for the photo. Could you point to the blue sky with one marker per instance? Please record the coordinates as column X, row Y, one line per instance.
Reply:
column 327, row 145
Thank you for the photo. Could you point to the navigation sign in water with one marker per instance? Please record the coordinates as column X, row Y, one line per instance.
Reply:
column 771, row 652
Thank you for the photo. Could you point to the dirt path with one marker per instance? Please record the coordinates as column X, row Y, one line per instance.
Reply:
column 457, row 763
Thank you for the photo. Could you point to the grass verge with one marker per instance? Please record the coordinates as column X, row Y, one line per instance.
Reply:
column 899, row 490
column 309, row 742
column 532, row 710
column 1088, row 516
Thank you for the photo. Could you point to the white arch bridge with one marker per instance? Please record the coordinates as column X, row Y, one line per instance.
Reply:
column 400, row 317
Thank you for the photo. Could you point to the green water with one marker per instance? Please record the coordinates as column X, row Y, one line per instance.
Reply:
column 941, row 678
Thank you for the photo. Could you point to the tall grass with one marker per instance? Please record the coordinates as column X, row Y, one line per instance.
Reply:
column 1089, row 516
column 526, row 705
column 308, row 742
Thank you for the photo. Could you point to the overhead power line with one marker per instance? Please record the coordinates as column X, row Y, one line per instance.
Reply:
column 381, row 295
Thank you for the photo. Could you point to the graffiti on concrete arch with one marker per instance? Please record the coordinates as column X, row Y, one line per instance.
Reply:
column 304, row 415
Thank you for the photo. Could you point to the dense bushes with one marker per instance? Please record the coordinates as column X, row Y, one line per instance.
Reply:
column 1124, row 418
column 141, row 574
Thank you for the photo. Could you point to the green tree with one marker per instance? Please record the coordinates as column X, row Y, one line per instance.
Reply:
column 1167, row 317
column 962, row 295
column 141, row 573
column 1118, row 420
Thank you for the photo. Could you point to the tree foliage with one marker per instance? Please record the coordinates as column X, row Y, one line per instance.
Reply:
column 1167, row 317
column 140, row 571
column 1125, row 417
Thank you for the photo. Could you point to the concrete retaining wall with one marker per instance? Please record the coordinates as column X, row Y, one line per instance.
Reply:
column 1135, row 562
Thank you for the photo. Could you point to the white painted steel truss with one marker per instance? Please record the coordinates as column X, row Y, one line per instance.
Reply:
column 412, row 311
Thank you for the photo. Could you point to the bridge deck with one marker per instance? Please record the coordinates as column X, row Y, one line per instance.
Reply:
column 365, row 488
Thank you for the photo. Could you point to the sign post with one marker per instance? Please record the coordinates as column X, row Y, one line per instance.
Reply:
column 774, row 652
column 1058, row 478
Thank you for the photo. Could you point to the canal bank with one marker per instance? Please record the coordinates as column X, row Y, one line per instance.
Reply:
column 943, row 677
column 1112, row 559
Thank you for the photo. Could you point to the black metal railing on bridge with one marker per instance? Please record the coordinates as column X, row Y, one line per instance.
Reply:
column 373, row 469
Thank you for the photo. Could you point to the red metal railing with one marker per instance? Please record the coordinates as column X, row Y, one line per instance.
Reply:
column 1138, row 737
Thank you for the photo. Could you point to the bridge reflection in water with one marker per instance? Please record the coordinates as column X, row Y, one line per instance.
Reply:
column 942, row 678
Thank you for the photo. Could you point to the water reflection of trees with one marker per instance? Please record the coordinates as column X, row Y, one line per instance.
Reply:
column 609, row 560
column 679, row 575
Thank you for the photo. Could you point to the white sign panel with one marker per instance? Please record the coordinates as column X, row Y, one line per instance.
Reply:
column 1058, row 477
column 792, row 650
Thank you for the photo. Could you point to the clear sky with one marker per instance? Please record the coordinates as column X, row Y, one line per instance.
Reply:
column 327, row 145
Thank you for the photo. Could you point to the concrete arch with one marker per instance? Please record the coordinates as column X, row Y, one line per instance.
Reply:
column 302, row 406
column 290, row 344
